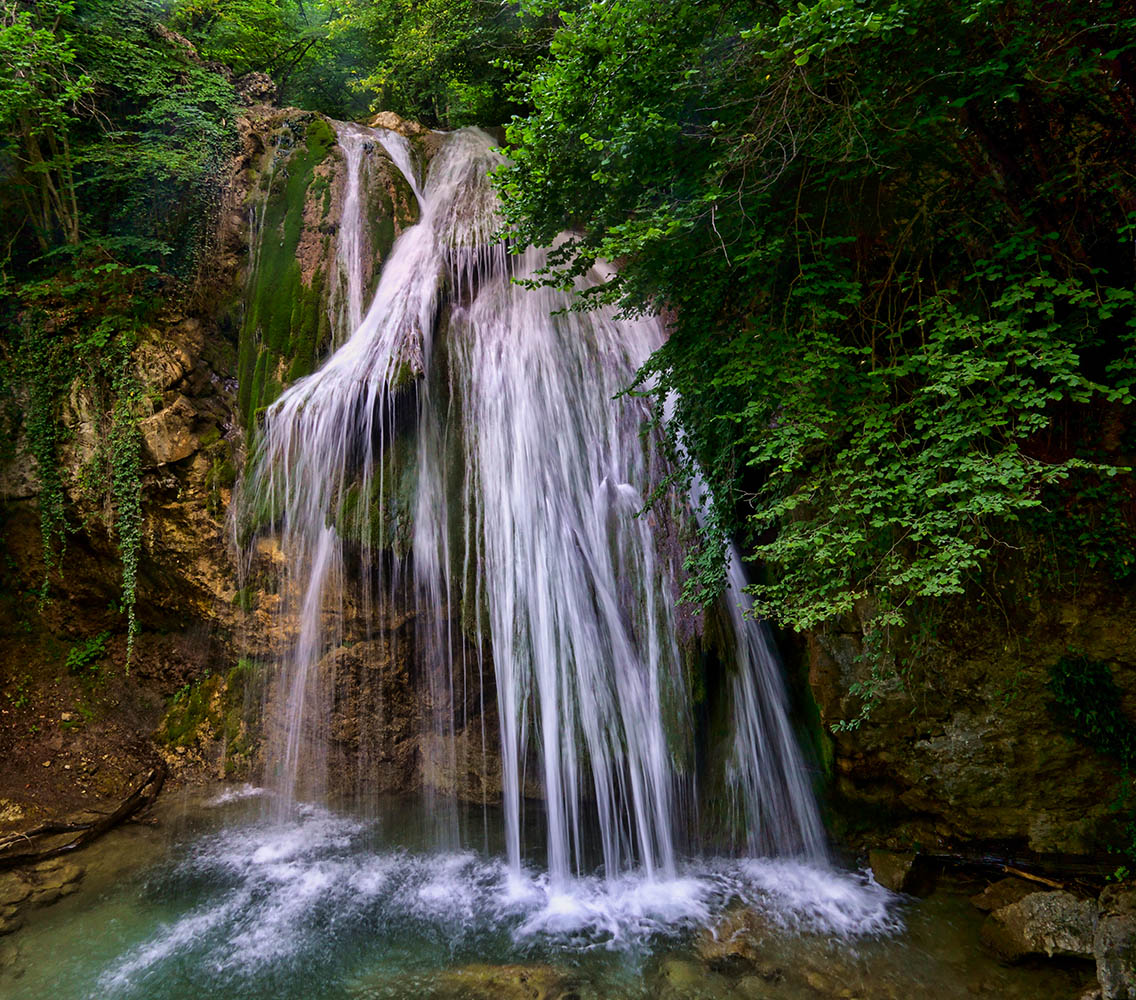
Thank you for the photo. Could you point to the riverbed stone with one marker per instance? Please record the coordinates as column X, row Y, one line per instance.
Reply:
column 1114, row 943
column 902, row 871
column 511, row 982
column 13, row 889
column 735, row 940
column 1055, row 924
column 11, row 919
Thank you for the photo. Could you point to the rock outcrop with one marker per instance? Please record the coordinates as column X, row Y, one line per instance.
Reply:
column 1114, row 942
column 267, row 307
column 964, row 750
column 1042, row 923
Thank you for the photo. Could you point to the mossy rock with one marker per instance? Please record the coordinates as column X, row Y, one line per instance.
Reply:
column 214, row 708
column 285, row 321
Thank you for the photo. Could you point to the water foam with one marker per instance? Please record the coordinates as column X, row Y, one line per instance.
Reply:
column 278, row 896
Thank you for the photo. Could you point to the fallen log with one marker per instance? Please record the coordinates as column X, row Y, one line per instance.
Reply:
column 39, row 843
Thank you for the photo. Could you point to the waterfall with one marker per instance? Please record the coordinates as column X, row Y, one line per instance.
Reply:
column 532, row 468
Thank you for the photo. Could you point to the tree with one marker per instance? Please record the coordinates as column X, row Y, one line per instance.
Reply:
column 40, row 93
column 893, row 242
column 449, row 62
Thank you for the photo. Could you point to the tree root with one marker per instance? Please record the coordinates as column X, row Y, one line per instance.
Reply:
column 41, row 842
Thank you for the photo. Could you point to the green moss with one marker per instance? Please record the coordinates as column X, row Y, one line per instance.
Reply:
column 246, row 598
column 320, row 138
column 258, row 378
column 388, row 518
column 218, row 707
column 189, row 709
column 282, row 328
column 225, row 473
column 222, row 475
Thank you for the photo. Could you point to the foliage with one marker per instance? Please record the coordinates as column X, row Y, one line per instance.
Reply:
column 1087, row 700
column 40, row 91
column 293, row 41
column 449, row 62
column 41, row 367
column 83, row 658
column 115, row 137
column 893, row 241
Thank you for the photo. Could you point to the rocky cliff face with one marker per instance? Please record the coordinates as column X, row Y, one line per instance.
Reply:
column 965, row 750
column 74, row 727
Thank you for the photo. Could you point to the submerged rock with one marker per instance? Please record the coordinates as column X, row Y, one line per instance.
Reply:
column 1056, row 924
column 13, row 889
column 510, row 982
column 902, row 872
column 39, row 885
column 740, row 943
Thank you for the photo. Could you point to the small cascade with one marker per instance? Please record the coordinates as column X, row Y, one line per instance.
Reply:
column 765, row 773
column 533, row 570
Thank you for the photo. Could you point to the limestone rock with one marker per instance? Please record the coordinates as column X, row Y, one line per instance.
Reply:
column 255, row 88
column 162, row 362
column 902, row 871
column 1114, row 943
column 168, row 435
column 967, row 749
column 396, row 123
column 1042, row 923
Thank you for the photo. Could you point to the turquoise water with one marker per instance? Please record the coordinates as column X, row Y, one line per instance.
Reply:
column 219, row 902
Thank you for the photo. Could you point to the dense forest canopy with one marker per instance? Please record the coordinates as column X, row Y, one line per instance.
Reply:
column 893, row 241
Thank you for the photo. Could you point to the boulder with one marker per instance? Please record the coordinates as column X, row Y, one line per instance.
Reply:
column 255, row 88
column 168, row 435
column 396, row 123
column 1042, row 923
column 1114, row 943
column 902, row 872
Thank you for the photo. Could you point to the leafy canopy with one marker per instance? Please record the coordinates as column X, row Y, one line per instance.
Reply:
column 893, row 240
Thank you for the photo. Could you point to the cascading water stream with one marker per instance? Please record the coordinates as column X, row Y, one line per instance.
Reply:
column 521, row 434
